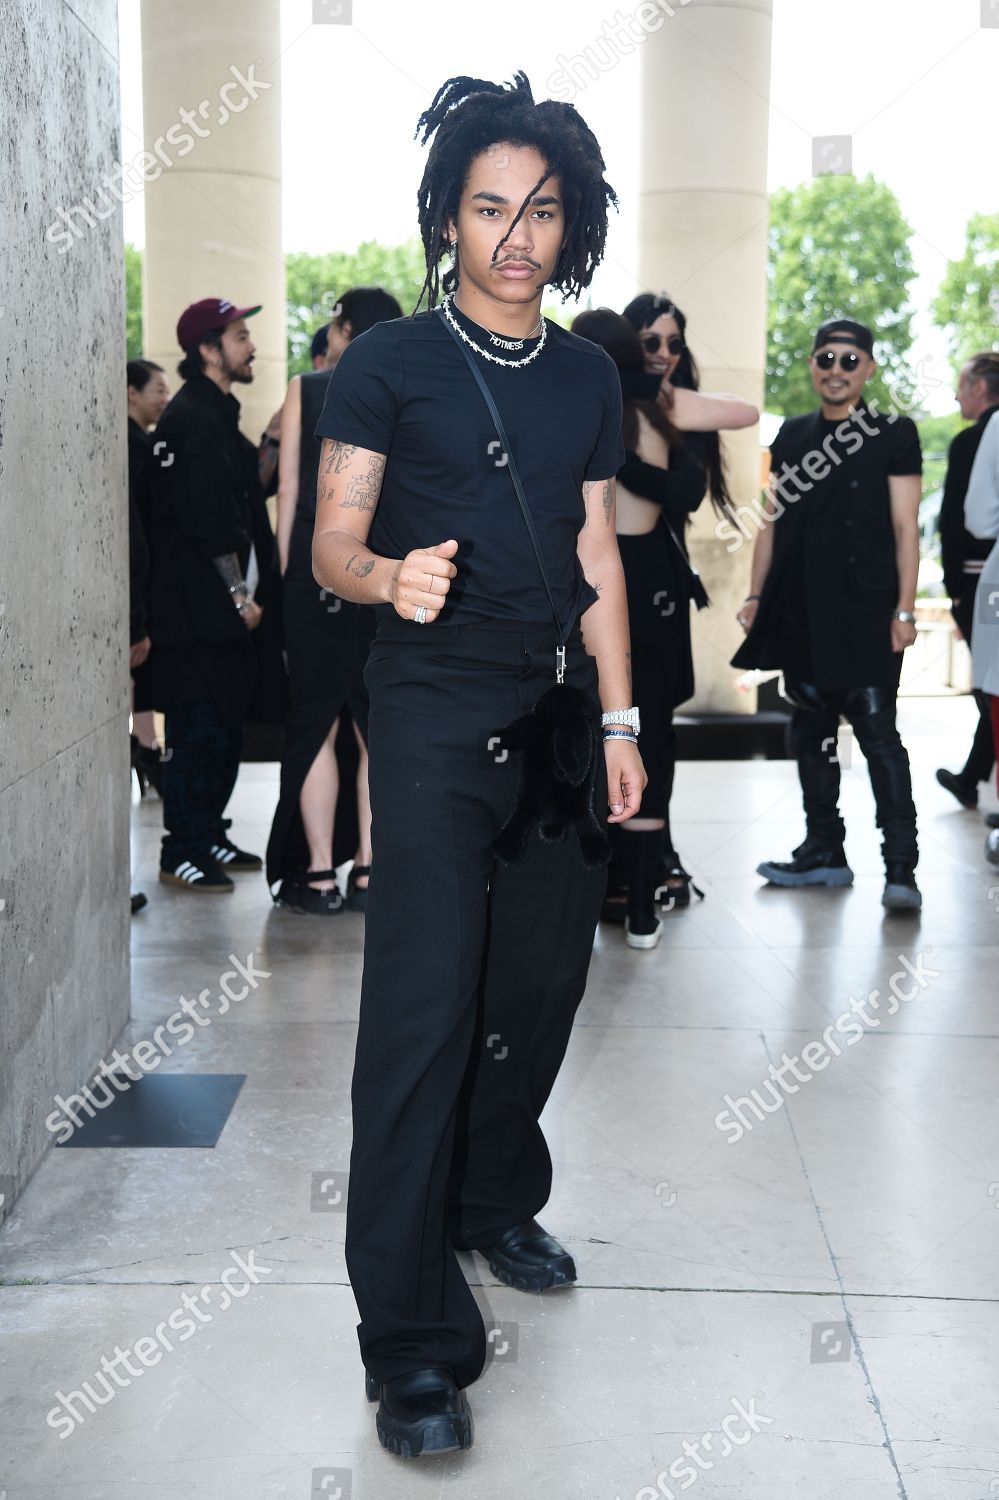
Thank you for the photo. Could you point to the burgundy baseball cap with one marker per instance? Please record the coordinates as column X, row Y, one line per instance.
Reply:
column 201, row 317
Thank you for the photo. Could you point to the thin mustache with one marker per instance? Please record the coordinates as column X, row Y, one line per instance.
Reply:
column 519, row 260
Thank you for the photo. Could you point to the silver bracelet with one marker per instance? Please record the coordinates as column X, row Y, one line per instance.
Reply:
column 620, row 734
column 627, row 716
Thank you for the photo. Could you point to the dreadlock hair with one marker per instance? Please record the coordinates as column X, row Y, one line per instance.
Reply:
column 641, row 312
column 470, row 115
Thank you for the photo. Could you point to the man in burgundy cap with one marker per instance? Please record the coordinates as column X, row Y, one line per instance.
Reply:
column 213, row 568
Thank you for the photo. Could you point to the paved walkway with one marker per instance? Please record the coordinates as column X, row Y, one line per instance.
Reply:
column 827, row 1281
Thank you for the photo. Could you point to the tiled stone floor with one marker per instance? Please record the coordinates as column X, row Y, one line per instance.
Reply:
column 835, row 1270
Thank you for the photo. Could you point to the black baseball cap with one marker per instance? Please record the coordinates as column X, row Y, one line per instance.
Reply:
column 844, row 331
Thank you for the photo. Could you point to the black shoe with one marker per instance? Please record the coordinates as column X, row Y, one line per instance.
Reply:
column 901, row 892
column 422, row 1411
column 992, row 820
column 811, row 864
column 356, row 898
column 139, row 900
column 963, row 790
column 200, row 873
column 296, row 894
column 232, row 858
column 528, row 1258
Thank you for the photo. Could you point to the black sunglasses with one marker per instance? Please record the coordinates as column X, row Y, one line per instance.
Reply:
column 827, row 360
column 652, row 341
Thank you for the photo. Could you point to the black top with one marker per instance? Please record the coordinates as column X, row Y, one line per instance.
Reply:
column 957, row 545
column 825, row 612
column 313, row 387
column 207, row 502
column 139, row 449
column 403, row 388
column 679, row 489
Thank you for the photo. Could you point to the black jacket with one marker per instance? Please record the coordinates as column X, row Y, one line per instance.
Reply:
column 824, row 616
column 138, row 547
column 206, row 502
column 957, row 545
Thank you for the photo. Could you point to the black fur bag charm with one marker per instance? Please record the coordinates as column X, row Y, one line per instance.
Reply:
column 558, row 777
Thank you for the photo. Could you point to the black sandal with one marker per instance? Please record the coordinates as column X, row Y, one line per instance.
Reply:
column 677, row 894
column 357, row 895
column 297, row 894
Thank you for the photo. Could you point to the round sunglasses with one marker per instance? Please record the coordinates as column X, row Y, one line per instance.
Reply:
column 827, row 360
column 651, row 343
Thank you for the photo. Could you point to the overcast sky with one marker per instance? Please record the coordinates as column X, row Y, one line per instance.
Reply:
column 912, row 81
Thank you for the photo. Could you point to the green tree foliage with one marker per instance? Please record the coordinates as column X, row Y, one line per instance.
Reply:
column 315, row 282
column 967, row 305
column 133, row 302
column 839, row 247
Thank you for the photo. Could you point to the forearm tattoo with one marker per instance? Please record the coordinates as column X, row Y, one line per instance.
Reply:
column 363, row 568
column 363, row 489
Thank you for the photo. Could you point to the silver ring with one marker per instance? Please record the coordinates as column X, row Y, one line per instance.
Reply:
column 420, row 617
column 431, row 587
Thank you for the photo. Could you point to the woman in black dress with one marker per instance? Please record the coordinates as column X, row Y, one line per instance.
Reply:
column 327, row 641
column 660, row 485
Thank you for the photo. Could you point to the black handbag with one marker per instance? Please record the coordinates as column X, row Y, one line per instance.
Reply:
column 558, row 738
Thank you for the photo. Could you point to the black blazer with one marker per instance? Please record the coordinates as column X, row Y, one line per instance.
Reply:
column 957, row 545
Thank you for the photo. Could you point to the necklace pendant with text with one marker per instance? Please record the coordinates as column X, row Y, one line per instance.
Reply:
column 505, row 343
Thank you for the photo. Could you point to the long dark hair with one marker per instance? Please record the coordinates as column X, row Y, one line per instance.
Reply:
column 467, row 117
column 603, row 326
column 641, row 312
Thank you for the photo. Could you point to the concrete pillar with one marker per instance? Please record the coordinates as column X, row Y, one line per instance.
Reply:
column 64, row 777
column 703, row 239
column 213, row 216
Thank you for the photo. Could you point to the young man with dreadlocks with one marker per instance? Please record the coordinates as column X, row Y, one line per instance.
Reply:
column 479, row 923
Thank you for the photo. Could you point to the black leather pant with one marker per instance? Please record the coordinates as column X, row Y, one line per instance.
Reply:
column 871, row 713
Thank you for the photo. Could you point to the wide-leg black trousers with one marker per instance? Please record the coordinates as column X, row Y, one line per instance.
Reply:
column 473, row 973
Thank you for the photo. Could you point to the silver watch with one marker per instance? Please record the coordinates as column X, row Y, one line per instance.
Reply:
column 905, row 615
column 627, row 716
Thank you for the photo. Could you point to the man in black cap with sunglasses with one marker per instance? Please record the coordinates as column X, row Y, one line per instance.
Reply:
column 832, row 603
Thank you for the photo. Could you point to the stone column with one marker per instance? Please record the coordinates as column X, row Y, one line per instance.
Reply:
column 703, row 239
column 64, row 776
column 211, row 101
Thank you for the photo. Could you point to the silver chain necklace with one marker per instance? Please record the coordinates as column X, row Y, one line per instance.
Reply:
column 513, row 364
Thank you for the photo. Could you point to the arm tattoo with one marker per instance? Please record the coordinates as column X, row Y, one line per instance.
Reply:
column 608, row 500
column 337, row 455
column 362, row 570
column 363, row 489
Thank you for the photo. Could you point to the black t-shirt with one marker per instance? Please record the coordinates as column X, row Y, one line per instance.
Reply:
column 405, row 390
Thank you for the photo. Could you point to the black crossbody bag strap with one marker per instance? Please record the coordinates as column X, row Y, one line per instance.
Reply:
column 515, row 476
